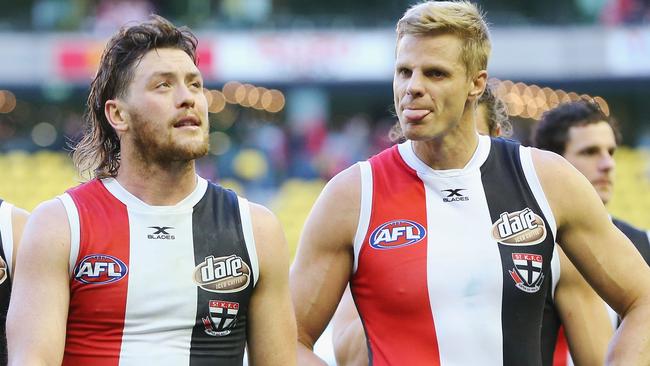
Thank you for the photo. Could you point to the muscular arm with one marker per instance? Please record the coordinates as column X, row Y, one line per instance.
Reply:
column 348, row 337
column 602, row 254
column 272, row 325
column 583, row 315
column 324, row 259
column 18, row 219
column 36, row 327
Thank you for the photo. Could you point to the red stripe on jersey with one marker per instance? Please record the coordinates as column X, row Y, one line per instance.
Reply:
column 561, row 349
column 390, row 285
column 99, row 283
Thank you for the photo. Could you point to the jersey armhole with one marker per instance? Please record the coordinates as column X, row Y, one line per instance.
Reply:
column 364, row 210
column 7, row 234
column 249, row 238
column 556, row 270
column 75, row 229
column 536, row 187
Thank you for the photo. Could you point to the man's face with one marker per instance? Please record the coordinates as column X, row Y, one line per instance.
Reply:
column 430, row 85
column 590, row 148
column 166, row 109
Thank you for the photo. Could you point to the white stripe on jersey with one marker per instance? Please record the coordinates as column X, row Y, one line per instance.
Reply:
column 364, row 210
column 75, row 229
column 7, row 233
column 466, row 304
column 536, row 187
column 172, row 263
column 249, row 238
column 556, row 271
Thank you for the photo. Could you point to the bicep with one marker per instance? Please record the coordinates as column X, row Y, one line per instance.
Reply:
column 323, row 263
column 272, row 327
column 41, row 273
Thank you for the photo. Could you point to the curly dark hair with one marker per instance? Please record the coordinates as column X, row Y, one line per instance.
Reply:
column 552, row 131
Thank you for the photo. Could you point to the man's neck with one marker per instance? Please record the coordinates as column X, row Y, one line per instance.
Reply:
column 158, row 185
column 450, row 151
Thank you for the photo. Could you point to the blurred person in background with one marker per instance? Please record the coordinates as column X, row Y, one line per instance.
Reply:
column 447, row 239
column 587, row 138
column 148, row 262
column 12, row 221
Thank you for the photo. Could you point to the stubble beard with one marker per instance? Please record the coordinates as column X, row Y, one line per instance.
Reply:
column 150, row 147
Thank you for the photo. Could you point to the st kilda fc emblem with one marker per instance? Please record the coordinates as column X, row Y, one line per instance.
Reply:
column 527, row 273
column 221, row 319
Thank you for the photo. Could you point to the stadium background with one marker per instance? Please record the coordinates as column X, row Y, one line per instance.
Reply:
column 301, row 89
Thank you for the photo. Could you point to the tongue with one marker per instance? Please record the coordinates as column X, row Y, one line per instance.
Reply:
column 415, row 114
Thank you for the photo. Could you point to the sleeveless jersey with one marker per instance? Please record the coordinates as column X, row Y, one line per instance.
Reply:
column 451, row 266
column 555, row 349
column 163, row 285
column 6, row 254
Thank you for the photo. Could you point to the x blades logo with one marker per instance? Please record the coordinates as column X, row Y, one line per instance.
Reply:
column 454, row 195
column 161, row 233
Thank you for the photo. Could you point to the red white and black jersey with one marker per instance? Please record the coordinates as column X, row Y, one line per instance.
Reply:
column 6, row 255
column 452, row 266
column 163, row 285
column 555, row 349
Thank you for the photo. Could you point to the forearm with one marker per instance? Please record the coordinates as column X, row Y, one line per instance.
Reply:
column 631, row 342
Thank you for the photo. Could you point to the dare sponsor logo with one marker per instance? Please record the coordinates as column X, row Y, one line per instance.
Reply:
column 3, row 270
column 519, row 228
column 99, row 269
column 222, row 274
column 396, row 234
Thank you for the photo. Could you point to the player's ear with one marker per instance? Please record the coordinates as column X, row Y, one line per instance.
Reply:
column 115, row 115
column 478, row 84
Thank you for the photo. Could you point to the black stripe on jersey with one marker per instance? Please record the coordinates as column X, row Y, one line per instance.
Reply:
column 507, row 191
column 217, row 233
column 637, row 237
column 5, row 293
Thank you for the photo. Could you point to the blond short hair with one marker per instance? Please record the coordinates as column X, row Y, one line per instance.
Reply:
column 461, row 18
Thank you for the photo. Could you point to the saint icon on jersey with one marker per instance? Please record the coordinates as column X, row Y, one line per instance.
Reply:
column 527, row 273
column 221, row 319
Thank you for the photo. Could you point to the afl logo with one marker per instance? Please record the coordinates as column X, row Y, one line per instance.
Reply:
column 99, row 269
column 397, row 234
column 519, row 228
column 3, row 270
